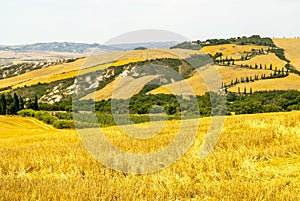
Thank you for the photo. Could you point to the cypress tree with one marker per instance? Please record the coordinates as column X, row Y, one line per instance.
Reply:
column 9, row 104
column 21, row 106
column 2, row 105
column 16, row 104
column 36, row 105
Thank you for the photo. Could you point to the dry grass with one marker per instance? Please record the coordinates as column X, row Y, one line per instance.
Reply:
column 42, row 75
column 121, row 88
column 198, row 85
column 58, row 72
column 194, row 85
column 267, row 60
column 256, row 158
column 231, row 50
column 291, row 48
column 291, row 82
column 83, row 66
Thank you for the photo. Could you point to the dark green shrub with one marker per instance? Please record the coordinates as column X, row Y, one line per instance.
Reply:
column 26, row 113
column 63, row 124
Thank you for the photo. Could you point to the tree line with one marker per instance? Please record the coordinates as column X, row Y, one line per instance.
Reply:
column 11, row 104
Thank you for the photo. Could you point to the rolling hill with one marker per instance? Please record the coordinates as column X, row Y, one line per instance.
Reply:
column 291, row 48
column 291, row 82
column 238, row 66
column 227, row 74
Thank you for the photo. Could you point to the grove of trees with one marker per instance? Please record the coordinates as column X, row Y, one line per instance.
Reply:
column 11, row 104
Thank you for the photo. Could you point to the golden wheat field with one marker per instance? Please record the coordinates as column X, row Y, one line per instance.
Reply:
column 291, row 82
column 213, row 75
column 291, row 48
column 267, row 60
column 231, row 50
column 256, row 158
column 121, row 88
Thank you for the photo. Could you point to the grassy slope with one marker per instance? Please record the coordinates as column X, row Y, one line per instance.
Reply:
column 264, row 60
column 121, row 88
column 291, row 82
column 93, row 63
column 291, row 48
column 256, row 158
column 226, row 74
column 231, row 50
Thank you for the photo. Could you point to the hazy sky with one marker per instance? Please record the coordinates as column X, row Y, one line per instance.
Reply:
column 29, row 21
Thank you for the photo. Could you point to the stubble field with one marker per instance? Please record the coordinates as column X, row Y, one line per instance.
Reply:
column 256, row 158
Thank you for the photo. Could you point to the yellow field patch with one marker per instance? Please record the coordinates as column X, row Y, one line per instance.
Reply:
column 121, row 88
column 291, row 48
column 267, row 60
column 15, row 126
column 231, row 49
column 191, row 86
column 200, row 87
column 291, row 82
column 256, row 157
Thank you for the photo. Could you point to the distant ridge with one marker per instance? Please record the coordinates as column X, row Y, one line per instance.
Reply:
column 58, row 47
column 82, row 48
column 131, row 46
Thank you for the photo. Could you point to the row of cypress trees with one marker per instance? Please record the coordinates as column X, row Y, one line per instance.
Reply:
column 10, row 105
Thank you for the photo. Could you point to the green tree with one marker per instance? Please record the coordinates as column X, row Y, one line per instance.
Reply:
column 9, row 105
column 16, row 103
column 2, row 105
column 36, row 104
column 21, row 106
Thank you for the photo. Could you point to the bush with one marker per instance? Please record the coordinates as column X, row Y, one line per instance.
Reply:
column 26, row 113
column 66, row 116
column 45, row 117
column 62, row 124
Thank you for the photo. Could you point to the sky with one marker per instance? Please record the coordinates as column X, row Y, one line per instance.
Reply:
column 98, row 21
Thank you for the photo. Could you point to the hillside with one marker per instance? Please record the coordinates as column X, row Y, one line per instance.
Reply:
column 291, row 47
column 291, row 82
column 255, row 66
column 231, row 50
column 227, row 74
column 121, row 88
column 100, row 67
column 262, row 162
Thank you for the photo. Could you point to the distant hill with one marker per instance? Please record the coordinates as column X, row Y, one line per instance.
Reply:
column 82, row 47
column 131, row 46
column 57, row 50
column 58, row 47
